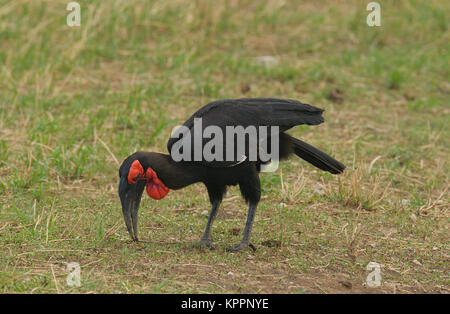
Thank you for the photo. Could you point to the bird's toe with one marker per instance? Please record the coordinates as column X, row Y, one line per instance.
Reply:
column 206, row 244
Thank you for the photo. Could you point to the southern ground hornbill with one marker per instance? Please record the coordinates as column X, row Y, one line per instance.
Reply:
column 158, row 173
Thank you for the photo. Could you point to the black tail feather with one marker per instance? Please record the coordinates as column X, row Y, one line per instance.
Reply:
column 316, row 157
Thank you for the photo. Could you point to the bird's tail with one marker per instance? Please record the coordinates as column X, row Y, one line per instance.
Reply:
column 316, row 157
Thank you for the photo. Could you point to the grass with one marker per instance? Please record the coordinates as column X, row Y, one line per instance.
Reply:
column 76, row 101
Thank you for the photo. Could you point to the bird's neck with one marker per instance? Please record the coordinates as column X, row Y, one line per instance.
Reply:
column 175, row 175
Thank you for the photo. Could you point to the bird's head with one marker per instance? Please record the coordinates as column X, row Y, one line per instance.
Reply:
column 135, row 174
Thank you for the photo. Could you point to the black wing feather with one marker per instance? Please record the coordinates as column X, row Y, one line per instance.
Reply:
column 284, row 113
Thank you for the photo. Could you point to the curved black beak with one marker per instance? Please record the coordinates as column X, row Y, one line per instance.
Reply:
column 130, row 197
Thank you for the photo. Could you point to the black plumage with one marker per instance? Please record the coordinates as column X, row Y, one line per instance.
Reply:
column 217, row 175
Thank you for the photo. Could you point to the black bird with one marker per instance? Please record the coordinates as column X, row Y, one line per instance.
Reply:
column 159, row 173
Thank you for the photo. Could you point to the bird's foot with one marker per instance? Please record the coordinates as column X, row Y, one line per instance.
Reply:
column 241, row 247
column 206, row 243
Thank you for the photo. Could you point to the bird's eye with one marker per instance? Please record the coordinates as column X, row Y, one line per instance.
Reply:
column 136, row 171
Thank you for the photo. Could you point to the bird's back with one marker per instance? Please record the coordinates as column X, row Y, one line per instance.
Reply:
column 258, row 111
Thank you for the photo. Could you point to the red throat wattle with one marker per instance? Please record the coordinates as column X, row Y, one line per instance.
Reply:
column 155, row 187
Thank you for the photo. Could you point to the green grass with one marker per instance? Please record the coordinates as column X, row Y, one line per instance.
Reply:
column 75, row 100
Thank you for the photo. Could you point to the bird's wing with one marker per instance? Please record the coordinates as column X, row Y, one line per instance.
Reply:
column 284, row 113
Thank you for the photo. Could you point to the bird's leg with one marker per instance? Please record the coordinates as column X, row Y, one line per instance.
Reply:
column 248, row 228
column 206, row 238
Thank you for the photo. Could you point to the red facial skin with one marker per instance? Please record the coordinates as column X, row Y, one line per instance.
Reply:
column 155, row 187
column 136, row 172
